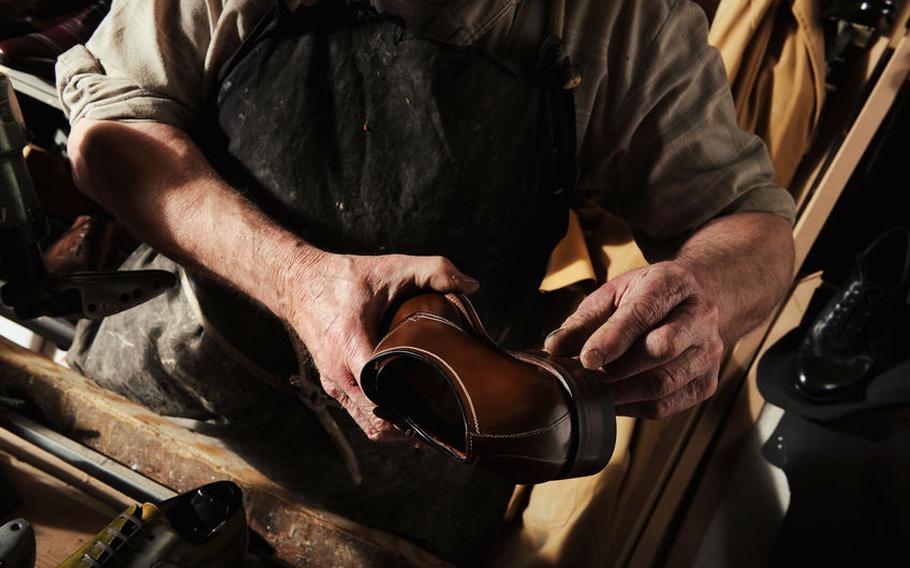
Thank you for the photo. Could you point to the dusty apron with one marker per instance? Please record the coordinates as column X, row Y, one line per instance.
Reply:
column 363, row 137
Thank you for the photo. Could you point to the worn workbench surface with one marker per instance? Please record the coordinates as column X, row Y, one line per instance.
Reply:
column 177, row 457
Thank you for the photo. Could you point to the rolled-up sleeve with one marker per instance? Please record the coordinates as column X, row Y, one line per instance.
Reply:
column 145, row 62
column 679, row 159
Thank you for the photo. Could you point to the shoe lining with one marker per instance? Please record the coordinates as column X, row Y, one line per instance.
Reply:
column 417, row 390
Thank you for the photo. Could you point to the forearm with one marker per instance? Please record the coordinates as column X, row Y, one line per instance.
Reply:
column 155, row 180
column 745, row 263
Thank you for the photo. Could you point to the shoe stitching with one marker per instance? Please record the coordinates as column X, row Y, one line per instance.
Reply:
column 521, row 457
column 549, row 364
column 529, row 433
column 421, row 315
column 470, row 314
column 464, row 389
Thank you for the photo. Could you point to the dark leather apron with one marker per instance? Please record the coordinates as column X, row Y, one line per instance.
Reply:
column 366, row 138
column 363, row 137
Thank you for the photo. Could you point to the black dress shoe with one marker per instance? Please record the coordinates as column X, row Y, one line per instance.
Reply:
column 857, row 333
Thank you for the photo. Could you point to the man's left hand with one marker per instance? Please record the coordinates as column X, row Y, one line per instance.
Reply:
column 654, row 332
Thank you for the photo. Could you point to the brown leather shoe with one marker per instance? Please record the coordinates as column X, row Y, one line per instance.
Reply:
column 527, row 416
column 86, row 246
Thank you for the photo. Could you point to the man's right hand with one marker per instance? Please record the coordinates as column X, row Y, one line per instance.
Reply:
column 185, row 211
column 338, row 304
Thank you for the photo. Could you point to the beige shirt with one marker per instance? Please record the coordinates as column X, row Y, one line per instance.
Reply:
column 658, row 141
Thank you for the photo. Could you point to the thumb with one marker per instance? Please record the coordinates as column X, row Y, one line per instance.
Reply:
column 439, row 274
column 360, row 350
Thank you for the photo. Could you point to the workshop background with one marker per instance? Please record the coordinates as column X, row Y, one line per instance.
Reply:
column 758, row 475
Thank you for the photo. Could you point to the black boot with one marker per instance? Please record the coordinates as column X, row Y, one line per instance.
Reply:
column 858, row 331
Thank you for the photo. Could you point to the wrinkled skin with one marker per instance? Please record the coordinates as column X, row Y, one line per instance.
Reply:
column 655, row 334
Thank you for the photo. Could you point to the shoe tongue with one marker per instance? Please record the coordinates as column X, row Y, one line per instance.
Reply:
column 436, row 304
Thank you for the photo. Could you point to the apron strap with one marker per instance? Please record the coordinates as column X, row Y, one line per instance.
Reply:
column 558, row 18
column 568, row 74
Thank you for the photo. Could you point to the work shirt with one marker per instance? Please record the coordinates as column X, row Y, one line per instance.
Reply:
column 658, row 141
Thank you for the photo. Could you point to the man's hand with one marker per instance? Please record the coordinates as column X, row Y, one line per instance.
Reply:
column 341, row 302
column 655, row 333
column 187, row 212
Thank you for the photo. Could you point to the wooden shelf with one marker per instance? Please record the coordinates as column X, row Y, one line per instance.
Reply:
column 33, row 86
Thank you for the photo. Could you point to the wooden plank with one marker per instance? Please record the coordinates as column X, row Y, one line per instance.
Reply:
column 33, row 86
column 838, row 116
column 900, row 24
column 64, row 506
column 173, row 455
column 835, row 179
column 94, row 468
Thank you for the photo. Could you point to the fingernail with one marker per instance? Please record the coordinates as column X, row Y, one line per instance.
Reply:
column 552, row 334
column 593, row 359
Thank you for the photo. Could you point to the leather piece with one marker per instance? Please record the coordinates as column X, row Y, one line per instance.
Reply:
column 527, row 416
column 86, row 246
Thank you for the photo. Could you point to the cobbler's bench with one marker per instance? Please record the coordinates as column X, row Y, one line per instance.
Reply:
column 181, row 459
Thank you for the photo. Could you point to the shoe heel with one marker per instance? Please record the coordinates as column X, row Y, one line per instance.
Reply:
column 595, row 425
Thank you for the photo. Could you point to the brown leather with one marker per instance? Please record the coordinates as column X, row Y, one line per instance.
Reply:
column 527, row 416
column 86, row 246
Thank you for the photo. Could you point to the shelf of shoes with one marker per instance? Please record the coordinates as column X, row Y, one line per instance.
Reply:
column 33, row 86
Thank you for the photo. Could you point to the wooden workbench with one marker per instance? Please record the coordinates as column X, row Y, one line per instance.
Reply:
column 173, row 455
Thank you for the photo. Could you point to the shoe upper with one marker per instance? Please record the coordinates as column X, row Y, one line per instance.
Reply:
column 439, row 376
column 856, row 330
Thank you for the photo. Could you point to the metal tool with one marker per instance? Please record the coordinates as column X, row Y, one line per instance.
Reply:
column 30, row 291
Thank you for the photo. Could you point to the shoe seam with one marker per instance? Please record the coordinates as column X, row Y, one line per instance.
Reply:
column 422, row 315
column 522, row 457
column 528, row 433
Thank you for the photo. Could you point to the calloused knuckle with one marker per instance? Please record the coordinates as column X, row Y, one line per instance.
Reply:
column 666, row 374
column 716, row 348
column 663, row 345
column 714, row 314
